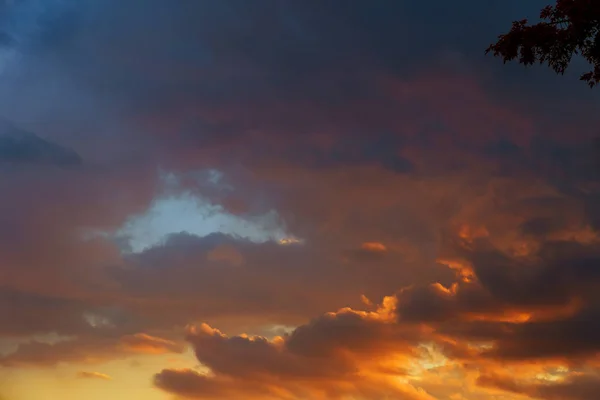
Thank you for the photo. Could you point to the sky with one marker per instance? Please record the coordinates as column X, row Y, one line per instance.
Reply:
column 292, row 200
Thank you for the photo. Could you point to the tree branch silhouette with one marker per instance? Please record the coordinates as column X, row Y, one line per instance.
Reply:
column 569, row 28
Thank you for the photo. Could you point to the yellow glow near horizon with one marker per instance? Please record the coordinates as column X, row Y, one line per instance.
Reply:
column 131, row 380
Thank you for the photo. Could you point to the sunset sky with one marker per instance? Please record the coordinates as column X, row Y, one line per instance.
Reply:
column 292, row 200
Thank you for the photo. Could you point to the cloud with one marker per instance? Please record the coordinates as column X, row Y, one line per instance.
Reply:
column 143, row 343
column 5, row 39
column 374, row 247
column 195, row 215
column 333, row 356
column 87, row 349
column 93, row 375
column 191, row 276
column 20, row 147
column 577, row 387
column 23, row 313
column 512, row 310
column 412, row 170
column 537, row 306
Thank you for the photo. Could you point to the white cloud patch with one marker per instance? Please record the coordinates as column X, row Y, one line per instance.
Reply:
column 187, row 211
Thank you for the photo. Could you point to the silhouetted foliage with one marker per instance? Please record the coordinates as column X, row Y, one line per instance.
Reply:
column 571, row 27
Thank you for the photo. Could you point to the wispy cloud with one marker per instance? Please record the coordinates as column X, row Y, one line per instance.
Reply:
column 93, row 375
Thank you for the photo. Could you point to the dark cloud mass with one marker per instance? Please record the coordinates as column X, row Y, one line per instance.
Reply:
column 20, row 147
column 286, row 200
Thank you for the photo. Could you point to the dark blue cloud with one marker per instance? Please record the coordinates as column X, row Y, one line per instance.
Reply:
column 159, row 57
column 6, row 40
column 21, row 147
column 309, row 49
column 288, row 67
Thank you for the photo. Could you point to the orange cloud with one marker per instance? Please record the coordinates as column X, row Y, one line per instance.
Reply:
column 470, row 233
column 463, row 268
column 367, row 251
column 500, row 318
column 336, row 355
column 560, row 385
column 144, row 343
column 87, row 350
column 373, row 246
column 93, row 375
